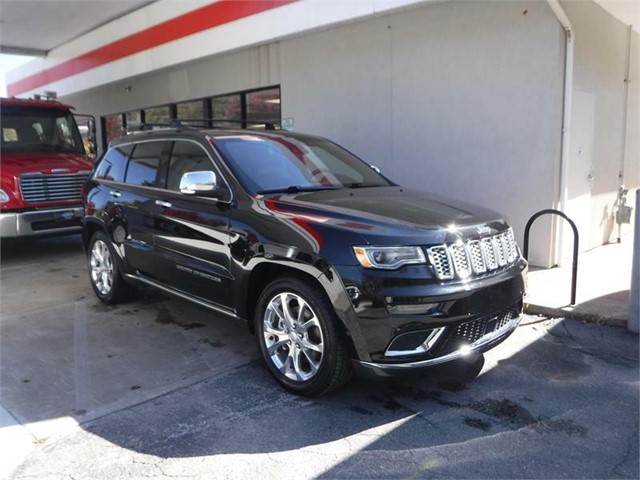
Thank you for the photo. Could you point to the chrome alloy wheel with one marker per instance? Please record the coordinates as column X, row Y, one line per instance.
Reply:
column 101, row 267
column 293, row 336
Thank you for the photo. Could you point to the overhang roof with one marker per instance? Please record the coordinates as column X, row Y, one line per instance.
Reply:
column 35, row 27
column 60, row 21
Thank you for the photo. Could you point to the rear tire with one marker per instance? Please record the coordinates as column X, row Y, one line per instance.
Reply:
column 104, row 272
column 299, row 338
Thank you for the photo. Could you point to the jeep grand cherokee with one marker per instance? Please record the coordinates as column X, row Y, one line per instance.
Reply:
column 334, row 267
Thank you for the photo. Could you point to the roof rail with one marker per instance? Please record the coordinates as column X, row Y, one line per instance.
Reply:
column 210, row 122
column 200, row 123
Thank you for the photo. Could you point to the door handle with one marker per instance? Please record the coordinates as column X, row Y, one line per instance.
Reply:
column 163, row 204
column 115, row 193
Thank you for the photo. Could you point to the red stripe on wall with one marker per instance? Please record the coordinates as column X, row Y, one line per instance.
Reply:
column 204, row 18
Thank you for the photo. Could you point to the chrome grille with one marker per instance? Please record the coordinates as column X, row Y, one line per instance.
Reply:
column 498, row 249
column 489, row 254
column 439, row 258
column 477, row 256
column 51, row 188
column 512, row 252
column 470, row 332
column 460, row 260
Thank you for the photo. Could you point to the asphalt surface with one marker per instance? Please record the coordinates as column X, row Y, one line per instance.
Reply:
column 158, row 388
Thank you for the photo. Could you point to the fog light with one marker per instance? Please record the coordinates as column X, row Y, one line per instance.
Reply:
column 414, row 343
column 412, row 309
column 354, row 294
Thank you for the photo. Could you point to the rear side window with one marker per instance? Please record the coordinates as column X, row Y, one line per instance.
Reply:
column 186, row 157
column 144, row 164
column 114, row 164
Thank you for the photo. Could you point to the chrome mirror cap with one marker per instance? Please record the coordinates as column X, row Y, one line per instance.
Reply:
column 198, row 182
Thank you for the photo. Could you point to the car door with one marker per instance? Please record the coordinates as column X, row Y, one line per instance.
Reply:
column 191, row 233
column 136, row 198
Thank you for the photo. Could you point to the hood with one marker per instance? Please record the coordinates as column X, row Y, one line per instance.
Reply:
column 18, row 163
column 384, row 214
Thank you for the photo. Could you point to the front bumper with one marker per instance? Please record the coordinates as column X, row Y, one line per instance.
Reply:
column 41, row 222
column 376, row 369
column 392, row 316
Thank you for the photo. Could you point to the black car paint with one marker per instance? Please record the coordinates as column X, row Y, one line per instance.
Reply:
column 214, row 249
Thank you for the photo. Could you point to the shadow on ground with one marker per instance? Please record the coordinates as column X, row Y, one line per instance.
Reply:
column 557, row 399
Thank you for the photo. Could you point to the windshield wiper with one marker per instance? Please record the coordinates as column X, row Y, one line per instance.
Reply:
column 297, row 189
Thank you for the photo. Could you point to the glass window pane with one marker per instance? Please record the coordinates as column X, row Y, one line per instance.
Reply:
column 144, row 164
column 114, row 164
column 227, row 111
column 159, row 115
column 263, row 108
column 186, row 157
column 40, row 130
column 191, row 110
column 263, row 163
column 133, row 119
column 113, row 127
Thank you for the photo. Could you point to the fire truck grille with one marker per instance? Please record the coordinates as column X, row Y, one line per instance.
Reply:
column 37, row 188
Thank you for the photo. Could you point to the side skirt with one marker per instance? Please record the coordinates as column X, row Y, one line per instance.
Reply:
column 182, row 295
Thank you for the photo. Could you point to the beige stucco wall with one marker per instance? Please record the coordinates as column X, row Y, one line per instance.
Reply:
column 600, row 161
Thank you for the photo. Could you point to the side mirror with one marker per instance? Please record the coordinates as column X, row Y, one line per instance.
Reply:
column 87, row 126
column 199, row 183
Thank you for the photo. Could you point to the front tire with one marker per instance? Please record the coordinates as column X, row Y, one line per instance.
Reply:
column 104, row 271
column 299, row 338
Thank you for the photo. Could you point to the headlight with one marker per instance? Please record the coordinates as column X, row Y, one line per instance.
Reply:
column 4, row 198
column 389, row 258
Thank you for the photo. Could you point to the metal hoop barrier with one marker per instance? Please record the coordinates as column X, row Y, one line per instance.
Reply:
column 576, row 239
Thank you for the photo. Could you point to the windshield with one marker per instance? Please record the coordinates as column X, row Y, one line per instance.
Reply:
column 270, row 164
column 39, row 130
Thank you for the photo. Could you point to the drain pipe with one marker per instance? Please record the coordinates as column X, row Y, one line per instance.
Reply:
column 563, row 194
column 625, row 108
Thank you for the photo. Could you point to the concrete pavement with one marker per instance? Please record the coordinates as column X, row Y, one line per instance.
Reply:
column 558, row 400
column 603, row 286
column 157, row 388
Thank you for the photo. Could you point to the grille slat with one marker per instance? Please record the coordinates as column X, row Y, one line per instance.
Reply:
column 498, row 250
column 474, row 249
column 439, row 258
column 47, row 188
column 458, row 254
column 476, row 256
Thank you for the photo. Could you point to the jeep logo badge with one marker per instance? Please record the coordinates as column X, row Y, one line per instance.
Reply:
column 483, row 229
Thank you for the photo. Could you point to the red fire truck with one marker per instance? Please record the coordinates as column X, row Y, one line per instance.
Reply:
column 44, row 161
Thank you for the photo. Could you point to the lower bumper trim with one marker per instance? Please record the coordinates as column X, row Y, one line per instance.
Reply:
column 470, row 350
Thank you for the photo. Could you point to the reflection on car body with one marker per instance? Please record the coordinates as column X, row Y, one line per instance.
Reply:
column 335, row 268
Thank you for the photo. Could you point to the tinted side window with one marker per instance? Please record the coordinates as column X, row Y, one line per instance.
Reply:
column 186, row 157
column 144, row 164
column 114, row 164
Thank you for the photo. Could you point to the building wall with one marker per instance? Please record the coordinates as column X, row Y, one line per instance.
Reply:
column 632, row 155
column 597, row 167
column 458, row 98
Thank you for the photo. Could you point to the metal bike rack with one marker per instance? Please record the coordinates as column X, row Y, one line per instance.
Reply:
column 576, row 239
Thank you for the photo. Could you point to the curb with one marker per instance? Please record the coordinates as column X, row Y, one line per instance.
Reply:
column 567, row 312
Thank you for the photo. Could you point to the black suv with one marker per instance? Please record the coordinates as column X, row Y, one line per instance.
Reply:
column 334, row 267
